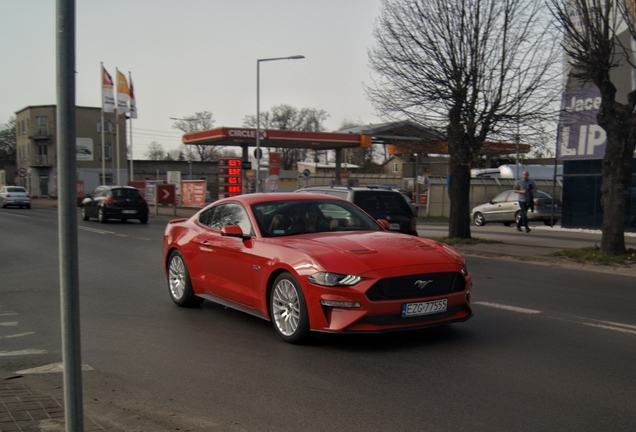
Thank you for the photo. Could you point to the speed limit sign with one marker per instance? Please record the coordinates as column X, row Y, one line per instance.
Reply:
column 22, row 172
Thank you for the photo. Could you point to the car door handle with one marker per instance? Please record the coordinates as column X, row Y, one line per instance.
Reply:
column 203, row 243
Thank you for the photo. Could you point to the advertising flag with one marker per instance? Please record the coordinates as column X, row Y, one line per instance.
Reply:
column 133, row 103
column 123, row 93
column 108, row 95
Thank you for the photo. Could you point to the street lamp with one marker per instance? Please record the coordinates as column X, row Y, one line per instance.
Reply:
column 258, row 113
column 189, row 149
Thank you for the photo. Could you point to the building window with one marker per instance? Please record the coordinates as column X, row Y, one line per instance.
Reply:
column 41, row 126
column 395, row 167
column 107, row 152
column 108, row 177
column 23, row 128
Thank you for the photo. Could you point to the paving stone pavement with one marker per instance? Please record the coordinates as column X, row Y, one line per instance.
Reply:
column 25, row 409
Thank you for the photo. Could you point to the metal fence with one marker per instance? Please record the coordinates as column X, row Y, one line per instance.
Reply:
column 481, row 191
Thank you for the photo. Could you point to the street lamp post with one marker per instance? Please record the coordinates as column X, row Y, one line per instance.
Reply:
column 258, row 113
column 189, row 149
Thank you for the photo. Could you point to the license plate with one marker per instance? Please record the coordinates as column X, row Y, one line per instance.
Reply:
column 394, row 226
column 424, row 308
column 548, row 206
column 129, row 211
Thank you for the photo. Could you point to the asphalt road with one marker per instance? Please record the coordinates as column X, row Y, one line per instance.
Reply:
column 548, row 349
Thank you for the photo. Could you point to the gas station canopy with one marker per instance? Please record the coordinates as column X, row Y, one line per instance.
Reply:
column 277, row 138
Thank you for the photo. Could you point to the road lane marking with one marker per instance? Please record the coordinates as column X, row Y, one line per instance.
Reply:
column 52, row 368
column 19, row 335
column 508, row 308
column 9, row 323
column 95, row 230
column 21, row 352
column 8, row 314
column 607, row 327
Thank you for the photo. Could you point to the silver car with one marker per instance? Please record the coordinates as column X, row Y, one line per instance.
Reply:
column 504, row 208
column 16, row 196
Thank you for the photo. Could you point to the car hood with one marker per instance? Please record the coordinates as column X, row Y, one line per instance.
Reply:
column 373, row 250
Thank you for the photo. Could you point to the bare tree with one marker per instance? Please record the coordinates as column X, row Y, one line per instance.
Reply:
column 155, row 151
column 8, row 142
column 590, row 29
column 470, row 69
column 198, row 122
column 286, row 117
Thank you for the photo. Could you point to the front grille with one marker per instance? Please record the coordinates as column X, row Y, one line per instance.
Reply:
column 417, row 286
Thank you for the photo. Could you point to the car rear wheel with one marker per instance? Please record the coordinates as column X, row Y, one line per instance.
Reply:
column 548, row 223
column 144, row 220
column 28, row 206
column 507, row 223
column 179, row 282
column 289, row 310
column 479, row 219
column 101, row 216
column 84, row 214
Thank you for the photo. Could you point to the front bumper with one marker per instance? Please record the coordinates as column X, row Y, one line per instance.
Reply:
column 379, row 316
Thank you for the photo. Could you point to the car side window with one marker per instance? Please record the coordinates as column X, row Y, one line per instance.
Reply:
column 226, row 214
column 501, row 197
column 512, row 196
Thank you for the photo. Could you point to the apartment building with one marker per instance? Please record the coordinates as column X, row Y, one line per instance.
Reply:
column 36, row 149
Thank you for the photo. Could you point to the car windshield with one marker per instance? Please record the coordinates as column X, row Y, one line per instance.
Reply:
column 125, row 193
column 16, row 189
column 283, row 218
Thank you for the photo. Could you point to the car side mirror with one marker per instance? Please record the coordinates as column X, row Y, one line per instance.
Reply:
column 383, row 223
column 490, row 202
column 234, row 231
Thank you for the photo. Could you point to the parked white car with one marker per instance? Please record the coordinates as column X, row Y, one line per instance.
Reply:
column 15, row 196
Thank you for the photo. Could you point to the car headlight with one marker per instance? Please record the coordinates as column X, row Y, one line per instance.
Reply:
column 465, row 269
column 333, row 279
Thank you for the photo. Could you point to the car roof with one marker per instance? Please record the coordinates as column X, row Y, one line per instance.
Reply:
column 351, row 188
column 255, row 198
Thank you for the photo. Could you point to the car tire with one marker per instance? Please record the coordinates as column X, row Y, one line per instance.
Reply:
column 288, row 310
column 101, row 215
column 479, row 219
column 507, row 223
column 179, row 283
column 144, row 220
column 28, row 206
column 548, row 223
column 518, row 217
column 84, row 214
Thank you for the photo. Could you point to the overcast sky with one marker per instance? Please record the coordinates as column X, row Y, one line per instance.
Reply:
column 196, row 55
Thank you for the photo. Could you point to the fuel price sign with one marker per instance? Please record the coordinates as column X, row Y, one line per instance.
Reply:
column 230, row 177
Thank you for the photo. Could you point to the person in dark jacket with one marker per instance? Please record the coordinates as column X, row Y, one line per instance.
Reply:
column 525, row 187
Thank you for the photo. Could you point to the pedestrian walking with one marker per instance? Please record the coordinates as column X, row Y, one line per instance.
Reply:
column 525, row 188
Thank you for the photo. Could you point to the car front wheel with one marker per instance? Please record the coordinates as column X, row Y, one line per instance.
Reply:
column 84, row 214
column 179, row 282
column 479, row 219
column 288, row 309
column 518, row 217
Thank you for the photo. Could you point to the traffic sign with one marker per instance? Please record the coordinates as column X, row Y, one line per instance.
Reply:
column 306, row 173
column 22, row 172
column 165, row 194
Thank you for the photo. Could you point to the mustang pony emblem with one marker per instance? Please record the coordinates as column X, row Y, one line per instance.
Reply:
column 422, row 283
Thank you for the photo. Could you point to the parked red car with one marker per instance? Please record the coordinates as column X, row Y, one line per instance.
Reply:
column 309, row 262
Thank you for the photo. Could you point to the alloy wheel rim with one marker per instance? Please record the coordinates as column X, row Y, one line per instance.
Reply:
column 176, row 277
column 286, row 307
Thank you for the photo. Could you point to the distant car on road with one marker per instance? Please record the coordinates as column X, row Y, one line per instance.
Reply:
column 115, row 202
column 15, row 196
column 380, row 202
column 312, row 262
column 504, row 208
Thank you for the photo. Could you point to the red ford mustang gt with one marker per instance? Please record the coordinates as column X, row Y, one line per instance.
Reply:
column 310, row 262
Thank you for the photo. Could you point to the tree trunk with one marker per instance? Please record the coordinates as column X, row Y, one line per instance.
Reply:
column 459, row 191
column 617, row 175
column 617, row 120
